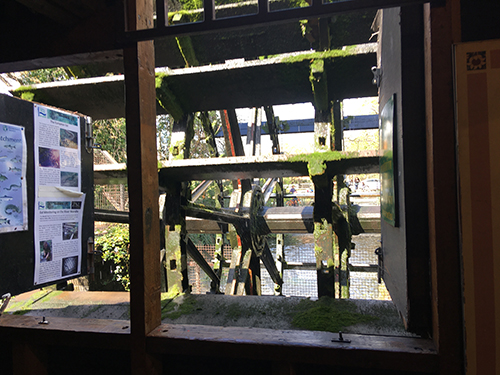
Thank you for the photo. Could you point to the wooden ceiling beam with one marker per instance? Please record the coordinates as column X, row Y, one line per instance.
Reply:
column 51, row 11
column 80, row 9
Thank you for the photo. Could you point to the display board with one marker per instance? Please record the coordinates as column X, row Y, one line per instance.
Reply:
column 404, row 258
column 46, row 195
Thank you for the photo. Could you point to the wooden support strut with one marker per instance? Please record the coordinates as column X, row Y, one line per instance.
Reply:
column 143, row 189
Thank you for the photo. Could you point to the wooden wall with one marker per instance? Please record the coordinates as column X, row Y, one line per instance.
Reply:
column 478, row 132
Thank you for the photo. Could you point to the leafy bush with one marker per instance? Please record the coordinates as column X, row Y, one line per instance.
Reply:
column 114, row 244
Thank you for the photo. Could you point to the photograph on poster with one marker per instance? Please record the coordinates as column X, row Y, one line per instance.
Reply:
column 69, row 266
column 69, row 179
column 68, row 138
column 70, row 231
column 48, row 157
column 45, row 251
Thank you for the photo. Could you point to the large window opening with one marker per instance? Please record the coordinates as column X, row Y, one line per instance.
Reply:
column 187, row 263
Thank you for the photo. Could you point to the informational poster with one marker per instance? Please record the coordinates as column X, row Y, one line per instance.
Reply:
column 13, row 202
column 59, row 201
column 388, row 201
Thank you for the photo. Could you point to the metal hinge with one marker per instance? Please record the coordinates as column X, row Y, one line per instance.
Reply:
column 89, row 136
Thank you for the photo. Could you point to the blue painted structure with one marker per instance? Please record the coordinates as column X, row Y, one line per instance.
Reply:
column 307, row 125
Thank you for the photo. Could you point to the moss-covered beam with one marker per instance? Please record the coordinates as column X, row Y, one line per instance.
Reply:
column 278, row 80
column 230, row 168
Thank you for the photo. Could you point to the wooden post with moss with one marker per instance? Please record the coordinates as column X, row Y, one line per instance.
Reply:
column 324, row 238
column 175, row 220
column 323, row 235
column 345, row 250
column 175, row 241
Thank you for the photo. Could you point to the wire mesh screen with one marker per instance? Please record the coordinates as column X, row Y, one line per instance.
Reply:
column 365, row 285
column 364, row 250
column 302, row 282
column 111, row 197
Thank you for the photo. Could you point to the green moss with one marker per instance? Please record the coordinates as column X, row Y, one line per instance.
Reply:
column 29, row 93
column 319, row 84
column 166, row 97
column 21, row 312
column 92, row 310
column 328, row 314
column 24, row 307
column 317, row 66
column 183, row 304
column 187, row 51
column 24, row 92
column 318, row 55
column 186, row 16
column 316, row 161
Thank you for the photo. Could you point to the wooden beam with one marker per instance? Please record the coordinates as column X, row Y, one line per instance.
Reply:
column 142, row 183
column 234, row 23
column 440, row 27
column 278, row 80
column 96, row 333
column 54, row 12
column 269, row 166
column 364, row 353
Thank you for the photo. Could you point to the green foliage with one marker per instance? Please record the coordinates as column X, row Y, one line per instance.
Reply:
column 191, row 4
column 164, row 125
column 33, row 77
column 328, row 314
column 358, row 140
column 166, row 97
column 114, row 243
column 111, row 136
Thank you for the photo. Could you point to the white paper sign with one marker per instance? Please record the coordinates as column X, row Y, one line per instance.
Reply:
column 59, row 201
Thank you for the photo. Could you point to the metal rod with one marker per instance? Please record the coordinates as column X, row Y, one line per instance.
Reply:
column 200, row 189
column 215, row 214
column 268, row 188
column 267, row 259
column 193, row 251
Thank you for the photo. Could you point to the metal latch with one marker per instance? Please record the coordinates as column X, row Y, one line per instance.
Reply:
column 380, row 272
column 341, row 339
column 377, row 75
column 89, row 136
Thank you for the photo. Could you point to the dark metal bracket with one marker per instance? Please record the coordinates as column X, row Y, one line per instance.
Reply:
column 5, row 301
column 341, row 339
column 380, row 256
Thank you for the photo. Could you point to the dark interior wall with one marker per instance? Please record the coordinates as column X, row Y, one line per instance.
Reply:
column 479, row 19
column 405, row 246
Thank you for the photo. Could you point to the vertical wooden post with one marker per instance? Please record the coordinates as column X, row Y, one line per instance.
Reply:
column 323, row 235
column 140, row 110
column 175, row 229
column 441, row 30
